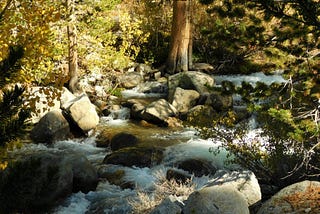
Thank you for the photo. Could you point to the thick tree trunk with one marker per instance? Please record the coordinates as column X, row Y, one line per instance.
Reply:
column 179, row 58
column 72, row 53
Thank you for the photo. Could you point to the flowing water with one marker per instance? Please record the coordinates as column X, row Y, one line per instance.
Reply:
column 179, row 144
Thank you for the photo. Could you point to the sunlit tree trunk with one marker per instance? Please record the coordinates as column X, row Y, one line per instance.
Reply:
column 72, row 52
column 180, row 54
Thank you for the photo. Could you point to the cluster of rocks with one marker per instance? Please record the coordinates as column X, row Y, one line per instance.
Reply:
column 71, row 116
column 188, row 97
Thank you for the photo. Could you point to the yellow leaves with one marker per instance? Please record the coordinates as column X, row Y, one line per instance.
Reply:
column 3, row 165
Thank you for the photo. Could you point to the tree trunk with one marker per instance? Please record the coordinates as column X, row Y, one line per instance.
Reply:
column 72, row 49
column 179, row 58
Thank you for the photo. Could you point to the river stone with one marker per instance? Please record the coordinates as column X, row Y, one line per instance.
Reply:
column 302, row 197
column 158, row 111
column 34, row 182
column 122, row 140
column 244, row 181
column 38, row 180
column 51, row 127
column 184, row 99
column 197, row 167
column 83, row 113
column 135, row 156
column 193, row 80
column 216, row 200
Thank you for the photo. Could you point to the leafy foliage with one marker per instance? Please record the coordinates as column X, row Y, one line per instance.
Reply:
column 12, row 115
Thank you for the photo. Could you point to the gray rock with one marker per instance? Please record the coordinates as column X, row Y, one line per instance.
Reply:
column 302, row 197
column 131, row 80
column 33, row 182
column 184, row 99
column 83, row 113
column 244, row 181
column 51, row 127
column 189, row 80
column 216, row 200
column 158, row 111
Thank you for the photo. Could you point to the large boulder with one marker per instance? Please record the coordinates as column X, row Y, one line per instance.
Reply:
column 51, row 127
column 216, row 200
column 244, row 181
column 83, row 113
column 184, row 99
column 158, row 112
column 135, row 156
column 302, row 197
column 189, row 80
column 35, row 182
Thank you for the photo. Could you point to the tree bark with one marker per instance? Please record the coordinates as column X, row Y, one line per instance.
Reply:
column 180, row 54
column 72, row 49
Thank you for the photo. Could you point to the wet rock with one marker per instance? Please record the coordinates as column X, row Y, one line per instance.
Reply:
column 184, row 99
column 197, row 167
column 135, row 156
column 34, row 183
column 104, row 139
column 216, row 200
column 122, row 140
column 302, row 197
column 51, row 127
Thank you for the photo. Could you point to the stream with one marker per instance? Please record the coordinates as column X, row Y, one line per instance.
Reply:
column 179, row 144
